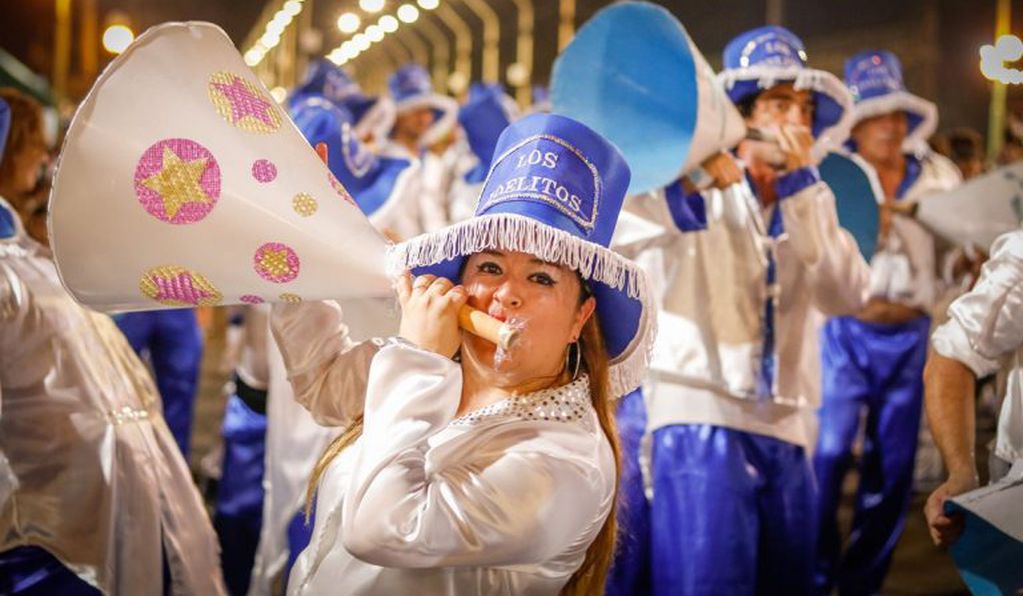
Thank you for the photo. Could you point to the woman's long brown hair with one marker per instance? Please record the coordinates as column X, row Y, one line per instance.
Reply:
column 592, row 574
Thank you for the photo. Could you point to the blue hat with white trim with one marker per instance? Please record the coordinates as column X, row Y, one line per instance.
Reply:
column 875, row 79
column 761, row 58
column 410, row 88
column 328, row 81
column 555, row 191
column 375, row 182
column 484, row 117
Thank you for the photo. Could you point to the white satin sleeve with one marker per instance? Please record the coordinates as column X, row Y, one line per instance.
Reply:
column 504, row 497
column 327, row 370
column 986, row 323
column 838, row 275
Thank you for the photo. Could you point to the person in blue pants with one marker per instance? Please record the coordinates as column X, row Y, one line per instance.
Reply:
column 172, row 341
column 743, row 270
column 874, row 361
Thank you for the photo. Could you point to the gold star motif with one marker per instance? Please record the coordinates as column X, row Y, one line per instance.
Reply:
column 177, row 182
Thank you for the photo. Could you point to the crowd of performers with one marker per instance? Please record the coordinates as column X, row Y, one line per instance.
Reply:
column 373, row 452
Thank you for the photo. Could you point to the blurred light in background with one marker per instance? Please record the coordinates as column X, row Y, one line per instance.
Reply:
column 457, row 82
column 374, row 33
column 428, row 4
column 348, row 22
column 518, row 74
column 117, row 38
column 279, row 94
column 388, row 23
column 371, row 5
column 361, row 42
column 993, row 59
column 408, row 13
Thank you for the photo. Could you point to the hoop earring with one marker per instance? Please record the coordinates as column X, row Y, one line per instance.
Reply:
column 573, row 348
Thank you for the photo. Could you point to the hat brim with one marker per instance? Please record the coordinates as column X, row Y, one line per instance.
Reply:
column 445, row 111
column 833, row 104
column 624, row 306
column 922, row 115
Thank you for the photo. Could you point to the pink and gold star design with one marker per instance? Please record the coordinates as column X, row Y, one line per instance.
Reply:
column 243, row 103
column 276, row 262
column 177, row 286
column 177, row 181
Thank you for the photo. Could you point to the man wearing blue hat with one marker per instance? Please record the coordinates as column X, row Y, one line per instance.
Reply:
column 874, row 361
column 423, row 121
column 742, row 271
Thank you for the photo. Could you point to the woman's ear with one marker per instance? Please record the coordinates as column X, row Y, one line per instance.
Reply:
column 582, row 315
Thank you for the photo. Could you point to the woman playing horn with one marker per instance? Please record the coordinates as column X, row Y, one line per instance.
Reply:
column 464, row 468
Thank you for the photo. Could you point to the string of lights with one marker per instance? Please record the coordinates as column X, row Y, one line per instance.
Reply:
column 350, row 22
column 273, row 31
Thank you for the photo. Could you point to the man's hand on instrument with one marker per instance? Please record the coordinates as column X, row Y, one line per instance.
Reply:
column 719, row 171
column 796, row 142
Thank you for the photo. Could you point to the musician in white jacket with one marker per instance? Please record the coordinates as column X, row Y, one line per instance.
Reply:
column 874, row 360
column 742, row 273
column 494, row 472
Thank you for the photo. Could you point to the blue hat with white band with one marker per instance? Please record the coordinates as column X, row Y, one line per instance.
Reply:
column 410, row 88
column 875, row 79
column 761, row 58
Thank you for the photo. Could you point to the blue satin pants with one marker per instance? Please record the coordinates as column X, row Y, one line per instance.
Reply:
column 173, row 341
column 32, row 571
column 877, row 369
column 630, row 571
column 732, row 513
column 238, row 518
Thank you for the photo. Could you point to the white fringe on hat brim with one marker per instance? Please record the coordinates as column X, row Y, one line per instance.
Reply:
column 821, row 81
column 518, row 233
column 902, row 101
column 444, row 125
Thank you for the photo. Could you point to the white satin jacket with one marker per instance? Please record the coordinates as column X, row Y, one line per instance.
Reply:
column 712, row 288
column 98, row 480
column 504, row 500
column 985, row 329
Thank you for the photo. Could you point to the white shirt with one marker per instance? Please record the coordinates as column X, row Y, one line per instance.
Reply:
column 905, row 267
column 503, row 500
column 711, row 287
column 985, row 328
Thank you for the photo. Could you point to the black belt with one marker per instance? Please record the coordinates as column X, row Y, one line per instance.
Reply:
column 254, row 398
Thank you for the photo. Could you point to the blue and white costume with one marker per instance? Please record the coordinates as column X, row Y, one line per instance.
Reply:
column 878, row 366
column 735, row 378
column 421, row 205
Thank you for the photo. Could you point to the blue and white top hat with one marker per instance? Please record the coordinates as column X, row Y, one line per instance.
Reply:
column 875, row 79
column 555, row 191
column 485, row 115
column 326, row 80
column 410, row 88
column 375, row 182
column 763, row 57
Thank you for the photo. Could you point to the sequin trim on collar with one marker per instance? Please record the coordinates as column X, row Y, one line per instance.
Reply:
column 567, row 403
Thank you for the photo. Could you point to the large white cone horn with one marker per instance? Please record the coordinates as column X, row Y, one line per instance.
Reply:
column 633, row 75
column 182, row 183
column 979, row 210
